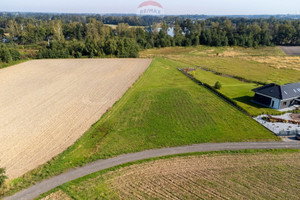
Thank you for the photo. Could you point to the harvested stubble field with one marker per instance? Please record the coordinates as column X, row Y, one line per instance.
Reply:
column 257, row 175
column 46, row 105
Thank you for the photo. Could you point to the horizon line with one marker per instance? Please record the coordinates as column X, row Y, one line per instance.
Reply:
column 134, row 14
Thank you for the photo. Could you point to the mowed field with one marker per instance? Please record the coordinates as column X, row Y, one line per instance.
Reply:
column 239, row 91
column 46, row 105
column 239, row 175
column 257, row 66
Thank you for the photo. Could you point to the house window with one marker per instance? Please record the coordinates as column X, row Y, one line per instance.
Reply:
column 284, row 103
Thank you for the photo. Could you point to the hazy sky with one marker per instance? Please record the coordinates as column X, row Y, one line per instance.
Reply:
column 209, row 7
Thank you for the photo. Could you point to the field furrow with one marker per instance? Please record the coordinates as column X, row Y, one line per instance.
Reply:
column 46, row 105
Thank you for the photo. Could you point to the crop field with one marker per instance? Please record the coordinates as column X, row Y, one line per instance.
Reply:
column 163, row 108
column 46, row 105
column 264, row 64
column 254, row 175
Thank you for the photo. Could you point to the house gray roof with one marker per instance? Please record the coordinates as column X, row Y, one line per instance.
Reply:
column 282, row 92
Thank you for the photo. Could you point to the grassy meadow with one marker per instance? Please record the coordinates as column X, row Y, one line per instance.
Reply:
column 163, row 108
column 268, row 174
column 264, row 64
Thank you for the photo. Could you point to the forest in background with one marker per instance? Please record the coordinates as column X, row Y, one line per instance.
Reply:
column 34, row 35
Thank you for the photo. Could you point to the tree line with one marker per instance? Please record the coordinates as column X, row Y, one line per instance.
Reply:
column 62, row 36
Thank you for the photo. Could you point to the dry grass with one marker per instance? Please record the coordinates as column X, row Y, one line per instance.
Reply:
column 264, row 64
column 282, row 62
column 46, row 105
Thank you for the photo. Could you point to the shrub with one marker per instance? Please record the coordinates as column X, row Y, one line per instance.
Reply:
column 77, row 54
column 15, row 54
column 5, row 55
column 3, row 177
column 218, row 85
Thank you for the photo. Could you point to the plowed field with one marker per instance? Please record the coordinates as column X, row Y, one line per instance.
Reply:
column 46, row 105
column 220, row 176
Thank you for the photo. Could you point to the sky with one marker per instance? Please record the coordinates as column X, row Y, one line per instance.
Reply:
column 207, row 7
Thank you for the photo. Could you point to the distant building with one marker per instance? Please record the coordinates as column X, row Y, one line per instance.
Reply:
column 278, row 96
column 5, row 36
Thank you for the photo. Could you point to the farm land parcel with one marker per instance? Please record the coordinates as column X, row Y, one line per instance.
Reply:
column 225, row 175
column 162, row 109
column 46, row 105
column 263, row 65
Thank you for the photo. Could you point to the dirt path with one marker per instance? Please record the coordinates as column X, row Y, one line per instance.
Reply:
column 73, row 174
column 46, row 105
column 290, row 50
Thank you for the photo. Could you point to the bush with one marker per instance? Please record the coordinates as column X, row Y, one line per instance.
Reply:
column 5, row 55
column 55, row 50
column 218, row 85
column 78, row 54
column 2, row 176
column 15, row 54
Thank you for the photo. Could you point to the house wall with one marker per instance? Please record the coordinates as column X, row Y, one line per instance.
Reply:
column 262, row 99
column 286, row 103
column 276, row 104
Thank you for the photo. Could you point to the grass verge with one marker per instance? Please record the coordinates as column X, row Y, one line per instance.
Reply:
column 4, row 65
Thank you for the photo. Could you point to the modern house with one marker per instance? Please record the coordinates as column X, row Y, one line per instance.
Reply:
column 278, row 96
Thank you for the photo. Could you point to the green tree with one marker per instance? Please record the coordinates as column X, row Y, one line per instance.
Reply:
column 111, row 47
column 178, row 36
column 122, row 29
column 218, row 85
column 56, row 29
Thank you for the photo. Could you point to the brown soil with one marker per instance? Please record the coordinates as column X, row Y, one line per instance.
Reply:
column 46, row 105
column 59, row 195
column 295, row 117
column 261, row 176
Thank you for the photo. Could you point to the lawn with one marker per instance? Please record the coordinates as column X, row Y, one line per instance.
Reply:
column 268, row 174
column 163, row 108
column 239, row 91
